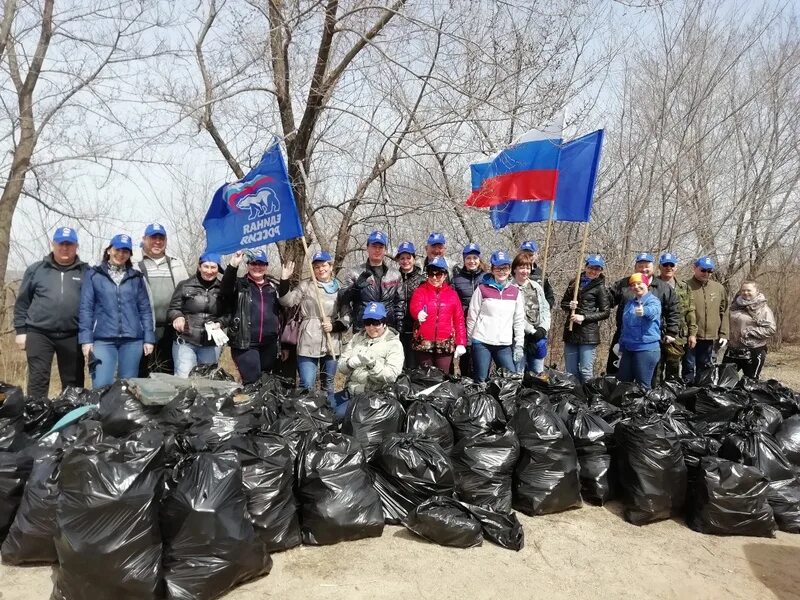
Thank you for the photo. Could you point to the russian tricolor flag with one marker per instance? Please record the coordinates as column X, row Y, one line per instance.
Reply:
column 519, row 183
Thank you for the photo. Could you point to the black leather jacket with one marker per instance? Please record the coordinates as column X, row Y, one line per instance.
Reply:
column 236, row 302
column 361, row 289
column 199, row 302
column 408, row 283
column 594, row 305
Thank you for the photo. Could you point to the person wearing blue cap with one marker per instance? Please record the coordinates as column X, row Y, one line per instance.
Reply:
column 116, row 317
column 711, row 308
column 496, row 320
column 195, row 306
column 375, row 280
column 253, row 315
column 372, row 359
column 436, row 247
column 537, row 316
column 669, row 368
column 586, row 313
column 411, row 277
column 313, row 351
column 466, row 280
column 620, row 293
column 163, row 273
column 530, row 250
column 46, row 315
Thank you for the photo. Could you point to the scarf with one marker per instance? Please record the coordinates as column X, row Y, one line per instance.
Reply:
column 330, row 287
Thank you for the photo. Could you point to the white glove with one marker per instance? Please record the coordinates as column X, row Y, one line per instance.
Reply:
column 722, row 343
column 529, row 328
column 573, row 304
column 422, row 316
column 460, row 351
column 367, row 361
column 219, row 337
column 354, row 361
column 669, row 339
column 615, row 349
column 518, row 354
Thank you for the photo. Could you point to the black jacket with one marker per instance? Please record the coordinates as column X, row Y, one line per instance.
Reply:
column 620, row 294
column 465, row 282
column 236, row 301
column 199, row 302
column 49, row 298
column 536, row 275
column 593, row 304
column 361, row 288
column 408, row 283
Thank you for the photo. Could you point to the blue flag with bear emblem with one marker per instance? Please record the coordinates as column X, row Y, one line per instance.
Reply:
column 258, row 210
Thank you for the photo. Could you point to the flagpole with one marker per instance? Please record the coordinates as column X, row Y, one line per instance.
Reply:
column 317, row 294
column 547, row 239
column 580, row 267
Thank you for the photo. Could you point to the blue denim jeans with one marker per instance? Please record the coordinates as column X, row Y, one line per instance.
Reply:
column 579, row 360
column 340, row 402
column 307, row 368
column 697, row 359
column 484, row 354
column 118, row 358
column 638, row 366
column 529, row 363
column 186, row 356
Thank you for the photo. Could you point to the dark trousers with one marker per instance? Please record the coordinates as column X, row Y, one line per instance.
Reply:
column 669, row 367
column 410, row 357
column 256, row 359
column 160, row 359
column 697, row 360
column 612, row 364
column 443, row 362
column 749, row 365
column 39, row 348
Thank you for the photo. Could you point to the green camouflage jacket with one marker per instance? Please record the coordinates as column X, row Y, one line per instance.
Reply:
column 687, row 318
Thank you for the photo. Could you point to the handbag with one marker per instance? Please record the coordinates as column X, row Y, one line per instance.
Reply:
column 290, row 332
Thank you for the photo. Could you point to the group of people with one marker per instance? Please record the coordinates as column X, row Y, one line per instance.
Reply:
column 404, row 310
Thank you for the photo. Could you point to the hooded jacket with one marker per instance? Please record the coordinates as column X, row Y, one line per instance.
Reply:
column 711, row 308
column 496, row 316
column 641, row 333
column 537, row 308
column 593, row 304
column 198, row 302
column 109, row 311
column 751, row 322
column 445, row 316
column 49, row 298
column 387, row 353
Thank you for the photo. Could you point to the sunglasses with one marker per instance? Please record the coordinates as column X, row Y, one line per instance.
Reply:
column 706, row 270
column 667, row 266
column 372, row 322
column 436, row 273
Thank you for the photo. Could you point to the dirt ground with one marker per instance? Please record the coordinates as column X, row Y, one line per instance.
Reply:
column 591, row 552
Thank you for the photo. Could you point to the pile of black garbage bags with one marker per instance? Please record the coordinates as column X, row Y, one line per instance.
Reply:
column 188, row 496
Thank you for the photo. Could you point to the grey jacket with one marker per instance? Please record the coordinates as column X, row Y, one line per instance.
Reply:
column 751, row 323
column 313, row 341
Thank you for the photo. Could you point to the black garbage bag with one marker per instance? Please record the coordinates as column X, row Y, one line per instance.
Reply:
column 711, row 400
column 310, row 404
column 679, row 422
column 788, row 438
column 15, row 468
column 425, row 421
column 546, row 475
column 751, row 445
column 772, row 392
column 12, row 419
column 652, row 472
column 268, row 478
column 593, row 439
column 120, row 412
column 294, row 430
column 109, row 541
column 209, row 545
column 565, row 405
column 475, row 413
column 449, row 522
column 371, row 418
column 484, row 467
column 504, row 387
column 408, row 470
column 422, row 378
column 721, row 376
column 762, row 415
column 605, row 410
column 211, row 432
column 715, row 424
column 527, row 396
column 552, row 382
column 214, row 372
column 728, row 498
column 337, row 499
column 600, row 387
column 631, row 399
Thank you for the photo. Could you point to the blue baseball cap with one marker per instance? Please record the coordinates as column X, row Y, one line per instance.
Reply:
column 530, row 246
column 668, row 258
column 436, row 238
column 595, row 260
column 377, row 237
column 472, row 248
column 405, row 248
column 704, row 262
column 257, row 256
column 500, row 258
column 321, row 256
column 375, row 310
column 65, row 234
column 211, row 257
column 122, row 242
column 437, row 263
column 155, row 229
column 644, row 257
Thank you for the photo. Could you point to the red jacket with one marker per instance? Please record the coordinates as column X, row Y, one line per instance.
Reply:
column 445, row 313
